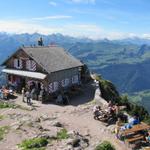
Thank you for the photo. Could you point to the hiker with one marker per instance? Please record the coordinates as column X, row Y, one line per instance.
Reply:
column 28, row 96
column 116, row 109
column 23, row 94
column 33, row 91
column 117, row 127
column 42, row 95
column 65, row 99
column 59, row 99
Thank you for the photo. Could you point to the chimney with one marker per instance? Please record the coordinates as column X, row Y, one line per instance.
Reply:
column 40, row 42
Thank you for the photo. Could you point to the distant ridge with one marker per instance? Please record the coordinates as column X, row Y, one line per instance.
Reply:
column 127, row 59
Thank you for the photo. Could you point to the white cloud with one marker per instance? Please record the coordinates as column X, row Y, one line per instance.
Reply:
column 25, row 27
column 52, row 3
column 84, row 1
column 52, row 17
column 76, row 30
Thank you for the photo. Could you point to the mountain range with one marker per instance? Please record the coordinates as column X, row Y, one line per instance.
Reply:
column 125, row 62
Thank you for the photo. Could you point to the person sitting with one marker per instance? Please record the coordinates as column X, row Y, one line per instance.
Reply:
column 6, row 93
column 148, row 137
column 110, row 104
column 97, row 111
column 132, row 121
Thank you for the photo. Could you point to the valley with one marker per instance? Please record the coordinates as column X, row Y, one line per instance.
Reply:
column 124, row 62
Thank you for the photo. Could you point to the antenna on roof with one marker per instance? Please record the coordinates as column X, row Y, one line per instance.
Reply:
column 40, row 42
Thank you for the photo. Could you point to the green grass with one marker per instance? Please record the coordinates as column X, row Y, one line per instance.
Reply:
column 62, row 134
column 7, row 105
column 34, row 144
column 105, row 145
column 3, row 130
column 4, row 105
column 1, row 117
column 141, row 98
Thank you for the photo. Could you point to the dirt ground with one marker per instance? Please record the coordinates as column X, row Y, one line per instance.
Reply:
column 77, row 116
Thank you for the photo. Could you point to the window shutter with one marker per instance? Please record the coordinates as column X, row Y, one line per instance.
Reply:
column 33, row 65
column 55, row 86
column 63, row 83
column 15, row 63
column 50, row 88
column 20, row 64
column 27, row 64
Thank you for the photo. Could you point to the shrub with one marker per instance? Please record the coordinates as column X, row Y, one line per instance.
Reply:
column 34, row 144
column 147, row 120
column 124, row 100
column 108, row 91
column 105, row 146
column 62, row 134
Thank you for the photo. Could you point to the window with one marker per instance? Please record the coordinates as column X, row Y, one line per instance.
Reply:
column 53, row 87
column 18, row 63
column 75, row 79
column 65, row 82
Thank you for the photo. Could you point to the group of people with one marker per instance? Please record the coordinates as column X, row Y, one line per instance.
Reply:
column 120, row 126
column 31, row 93
column 5, row 91
column 111, row 109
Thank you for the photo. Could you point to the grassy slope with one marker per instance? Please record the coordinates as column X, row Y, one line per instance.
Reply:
column 142, row 97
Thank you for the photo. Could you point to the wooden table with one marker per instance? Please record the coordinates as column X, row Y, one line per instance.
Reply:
column 135, row 128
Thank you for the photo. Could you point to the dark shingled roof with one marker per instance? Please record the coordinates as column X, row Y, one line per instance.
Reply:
column 52, row 58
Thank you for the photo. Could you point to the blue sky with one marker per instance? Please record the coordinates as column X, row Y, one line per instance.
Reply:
column 113, row 19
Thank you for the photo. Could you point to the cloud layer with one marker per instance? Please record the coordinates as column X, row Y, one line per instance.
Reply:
column 53, row 17
column 76, row 30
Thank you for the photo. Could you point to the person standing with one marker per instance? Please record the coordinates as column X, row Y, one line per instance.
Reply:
column 117, row 127
column 23, row 94
column 28, row 96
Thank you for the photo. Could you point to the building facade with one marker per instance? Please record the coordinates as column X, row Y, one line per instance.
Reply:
column 51, row 68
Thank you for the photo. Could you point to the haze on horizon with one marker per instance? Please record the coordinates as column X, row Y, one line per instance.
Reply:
column 96, row 19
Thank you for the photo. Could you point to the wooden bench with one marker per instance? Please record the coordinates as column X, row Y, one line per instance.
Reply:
column 134, row 138
column 147, row 148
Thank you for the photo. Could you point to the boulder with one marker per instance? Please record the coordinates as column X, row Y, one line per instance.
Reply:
column 57, row 124
column 77, row 141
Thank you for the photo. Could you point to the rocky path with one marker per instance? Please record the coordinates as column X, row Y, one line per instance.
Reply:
column 24, row 124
